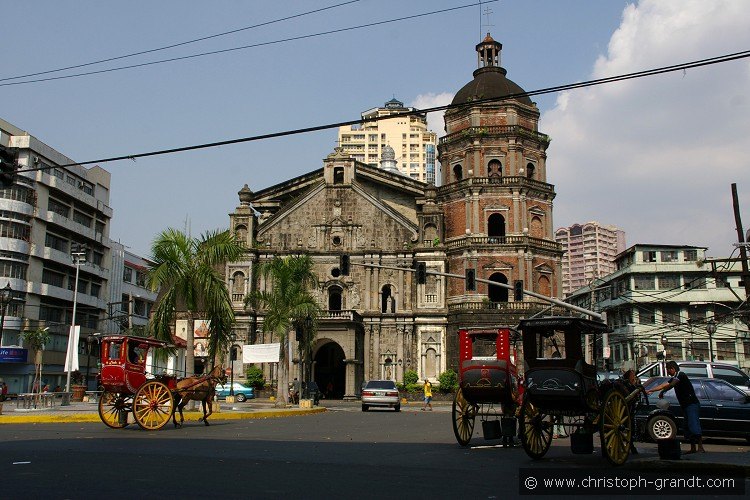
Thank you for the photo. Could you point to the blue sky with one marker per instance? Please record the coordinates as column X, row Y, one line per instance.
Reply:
column 655, row 157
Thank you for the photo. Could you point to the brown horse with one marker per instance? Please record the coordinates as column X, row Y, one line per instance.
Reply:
column 198, row 389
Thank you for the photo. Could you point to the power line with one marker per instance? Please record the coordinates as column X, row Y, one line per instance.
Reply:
column 179, row 44
column 559, row 88
column 251, row 46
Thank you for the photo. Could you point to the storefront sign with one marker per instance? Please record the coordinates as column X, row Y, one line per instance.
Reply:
column 13, row 355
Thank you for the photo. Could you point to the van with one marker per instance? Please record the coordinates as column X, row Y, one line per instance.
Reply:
column 722, row 371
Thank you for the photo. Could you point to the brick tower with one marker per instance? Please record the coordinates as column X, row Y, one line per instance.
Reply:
column 495, row 198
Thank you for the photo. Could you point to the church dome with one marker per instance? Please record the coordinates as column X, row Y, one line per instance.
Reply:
column 489, row 80
column 388, row 153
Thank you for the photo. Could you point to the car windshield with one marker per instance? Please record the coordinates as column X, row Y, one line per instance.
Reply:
column 380, row 384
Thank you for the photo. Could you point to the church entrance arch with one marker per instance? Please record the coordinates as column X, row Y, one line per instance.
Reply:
column 330, row 370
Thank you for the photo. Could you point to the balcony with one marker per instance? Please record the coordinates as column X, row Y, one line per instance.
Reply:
column 497, row 130
column 502, row 242
column 514, row 181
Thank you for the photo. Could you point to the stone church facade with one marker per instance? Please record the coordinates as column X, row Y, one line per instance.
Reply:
column 492, row 214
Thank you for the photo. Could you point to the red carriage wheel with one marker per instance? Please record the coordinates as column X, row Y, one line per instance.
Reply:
column 153, row 405
column 464, row 415
column 114, row 408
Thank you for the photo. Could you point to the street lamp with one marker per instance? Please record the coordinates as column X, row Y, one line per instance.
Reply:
column 711, row 329
column 5, row 298
column 78, row 255
column 664, row 343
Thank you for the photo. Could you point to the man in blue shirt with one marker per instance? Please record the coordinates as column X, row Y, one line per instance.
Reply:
column 689, row 403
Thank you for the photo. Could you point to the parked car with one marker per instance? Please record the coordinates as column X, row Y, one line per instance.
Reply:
column 380, row 393
column 242, row 392
column 723, row 371
column 725, row 410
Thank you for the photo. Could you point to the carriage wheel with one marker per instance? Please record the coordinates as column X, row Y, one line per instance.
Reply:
column 114, row 409
column 153, row 405
column 615, row 428
column 464, row 414
column 536, row 430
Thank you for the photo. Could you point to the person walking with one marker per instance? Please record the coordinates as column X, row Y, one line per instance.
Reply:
column 427, row 394
column 689, row 403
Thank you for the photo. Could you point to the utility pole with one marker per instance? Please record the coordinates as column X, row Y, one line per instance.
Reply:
column 78, row 254
column 741, row 240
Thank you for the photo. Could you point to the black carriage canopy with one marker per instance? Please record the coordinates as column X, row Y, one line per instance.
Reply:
column 557, row 337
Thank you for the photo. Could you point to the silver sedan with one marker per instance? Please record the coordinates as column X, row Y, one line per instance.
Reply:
column 380, row 393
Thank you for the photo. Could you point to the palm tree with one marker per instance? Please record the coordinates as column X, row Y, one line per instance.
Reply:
column 287, row 304
column 185, row 270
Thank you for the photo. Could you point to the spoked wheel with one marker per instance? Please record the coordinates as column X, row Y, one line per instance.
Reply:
column 114, row 408
column 153, row 405
column 536, row 430
column 464, row 414
column 572, row 424
column 616, row 428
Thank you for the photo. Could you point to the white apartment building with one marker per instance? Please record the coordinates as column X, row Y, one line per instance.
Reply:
column 44, row 214
column 413, row 144
column 131, row 300
column 670, row 297
column 590, row 251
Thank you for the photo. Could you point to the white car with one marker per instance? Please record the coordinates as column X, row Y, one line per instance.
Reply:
column 723, row 371
column 380, row 393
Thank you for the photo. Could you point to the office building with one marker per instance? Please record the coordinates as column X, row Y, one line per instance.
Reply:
column 589, row 252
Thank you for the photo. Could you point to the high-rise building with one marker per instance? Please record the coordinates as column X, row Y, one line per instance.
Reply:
column 413, row 144
column 590, row 251
column 52, row 208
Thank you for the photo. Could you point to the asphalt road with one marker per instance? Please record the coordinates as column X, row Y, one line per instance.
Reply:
column 343, row 453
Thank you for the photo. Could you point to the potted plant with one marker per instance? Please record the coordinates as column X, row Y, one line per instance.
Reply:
column 34, row 341
column 77, row 385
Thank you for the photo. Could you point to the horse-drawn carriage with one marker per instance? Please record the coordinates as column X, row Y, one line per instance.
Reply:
column 488, row 384
column 152, row 400
column 559, row 384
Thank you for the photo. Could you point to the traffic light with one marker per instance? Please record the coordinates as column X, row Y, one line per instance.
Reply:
column 234, row 354
column 421, row 273
column 471, row 280
column 8, row 166
column 344, row 264
column 298, row 333
column 518, row 291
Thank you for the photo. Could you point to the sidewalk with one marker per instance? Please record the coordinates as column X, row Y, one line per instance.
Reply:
column 89, row 412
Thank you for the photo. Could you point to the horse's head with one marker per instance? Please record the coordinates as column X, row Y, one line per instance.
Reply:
column 218, row 373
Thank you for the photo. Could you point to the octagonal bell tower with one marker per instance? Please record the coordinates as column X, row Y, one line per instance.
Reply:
column 495, row 198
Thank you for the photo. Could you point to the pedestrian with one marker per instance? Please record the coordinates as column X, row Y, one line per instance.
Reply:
column 427, row 394
column 631, row 383
column 3, row 391
column 689, row 403
column 329, row 389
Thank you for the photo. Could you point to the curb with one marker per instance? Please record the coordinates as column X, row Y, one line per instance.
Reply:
column 189, row 416
column 655, row 464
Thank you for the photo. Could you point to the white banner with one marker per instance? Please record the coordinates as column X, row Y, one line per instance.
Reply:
column 261, row 353
column 71, row 357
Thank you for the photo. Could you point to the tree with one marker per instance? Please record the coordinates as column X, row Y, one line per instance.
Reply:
column 35, row 340
column 186, row 273
column 287, row 302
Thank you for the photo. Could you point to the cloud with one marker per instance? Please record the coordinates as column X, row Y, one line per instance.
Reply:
column 430, row 100
column 656, row 156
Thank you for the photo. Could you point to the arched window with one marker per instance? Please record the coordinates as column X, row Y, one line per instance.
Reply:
column 496, row 228
column 430, row 233
column 537, row 228
column 335, row 302
column 387, row 302
column 497, row 293
column 338, row 175
column 494, row 168
column 458, row 173
column 238, row 282
column 544, row 286
column 430, row 363
column 530, row 170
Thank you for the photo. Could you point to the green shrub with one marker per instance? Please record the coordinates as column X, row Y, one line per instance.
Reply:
column 255, row 377
column 414, row 388
column 448, row 381
column 410, row 377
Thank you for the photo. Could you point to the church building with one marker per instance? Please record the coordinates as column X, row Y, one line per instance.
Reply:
column 491, row 216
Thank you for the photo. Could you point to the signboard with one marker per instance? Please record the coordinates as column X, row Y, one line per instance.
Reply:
column 13, row 355
column 261, row 353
